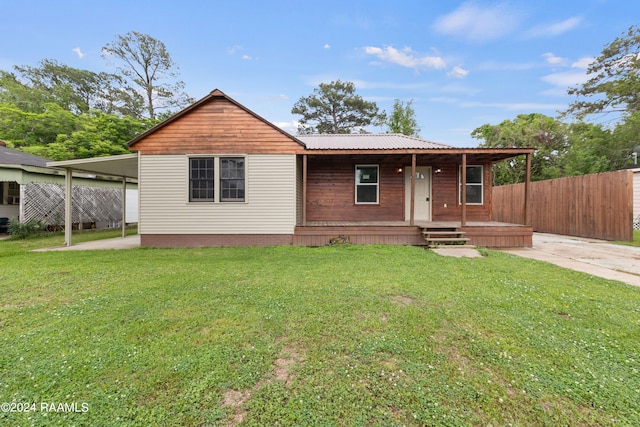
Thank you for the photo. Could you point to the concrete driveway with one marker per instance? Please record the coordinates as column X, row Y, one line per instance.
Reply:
column 595, row 257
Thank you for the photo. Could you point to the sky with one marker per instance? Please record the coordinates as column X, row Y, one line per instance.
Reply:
column 463, row 64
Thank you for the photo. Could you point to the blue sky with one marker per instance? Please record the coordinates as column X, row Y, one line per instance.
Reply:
column 463, row 63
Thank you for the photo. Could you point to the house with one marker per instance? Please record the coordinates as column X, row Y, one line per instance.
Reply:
column 30, row 190
column 217, row 174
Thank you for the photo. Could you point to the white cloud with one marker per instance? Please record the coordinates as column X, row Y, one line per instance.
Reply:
column 554, row 29
column 566, row 79
column 289, row 127
column 458, row 72
column 327, row 46
column 554, row 60
column 78, row 52
column 233, row 49
column 583, row 62
column 563, row 80
column 406, row 58
column 479, row 24
column 247, row 57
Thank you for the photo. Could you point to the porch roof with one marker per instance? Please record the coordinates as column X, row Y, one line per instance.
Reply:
column 382, row 141
column 124, row 165
column 396, row 144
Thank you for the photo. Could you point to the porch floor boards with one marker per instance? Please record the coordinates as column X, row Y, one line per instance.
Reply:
column 434, row 224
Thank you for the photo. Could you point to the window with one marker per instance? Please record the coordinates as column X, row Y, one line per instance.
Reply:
column 232, row 179
column 474, row 185
column 367, row 184
column 203, row 176
column 201, row 179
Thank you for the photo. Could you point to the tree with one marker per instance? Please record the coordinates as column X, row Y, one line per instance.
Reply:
column 21, row 96
column 80, row 91
column 335, row 108
column 148, row 65
column 544, row 133
column 614, row 85
column 403, row 119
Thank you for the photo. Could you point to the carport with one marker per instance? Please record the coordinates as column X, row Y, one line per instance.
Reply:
column 124, row 166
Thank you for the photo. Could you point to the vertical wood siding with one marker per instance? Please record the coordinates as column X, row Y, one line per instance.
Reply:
column 599, row 206
column 270, row 206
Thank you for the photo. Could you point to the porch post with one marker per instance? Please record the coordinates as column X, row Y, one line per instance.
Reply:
column 68, row 204
column 124, row 206
column 527, row 191
column 463, row 190
column 304, row 190
column 413, row 189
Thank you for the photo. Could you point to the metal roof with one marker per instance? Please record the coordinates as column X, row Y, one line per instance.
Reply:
column 9, row 156
column 384, row 141
column 123, row 165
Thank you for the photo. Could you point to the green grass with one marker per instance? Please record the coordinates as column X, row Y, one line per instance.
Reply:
column 635, row 242
column 351, row 335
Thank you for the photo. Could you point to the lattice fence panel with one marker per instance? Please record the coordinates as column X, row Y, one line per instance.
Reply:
column 45, row 202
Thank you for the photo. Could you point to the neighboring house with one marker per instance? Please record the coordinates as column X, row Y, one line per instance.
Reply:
column 217, row 174
column 29, row 190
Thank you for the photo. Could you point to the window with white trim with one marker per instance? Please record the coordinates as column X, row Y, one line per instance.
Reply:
column 217, row 179
column 367, row 184
column 475, row 186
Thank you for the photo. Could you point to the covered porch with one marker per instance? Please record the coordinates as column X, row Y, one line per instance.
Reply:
column 414, row 195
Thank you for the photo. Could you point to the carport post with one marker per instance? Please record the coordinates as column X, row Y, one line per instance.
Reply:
column 124, row 206
column 68, row 204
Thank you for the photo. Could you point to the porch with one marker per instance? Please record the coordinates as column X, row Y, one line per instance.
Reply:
column 489, row 234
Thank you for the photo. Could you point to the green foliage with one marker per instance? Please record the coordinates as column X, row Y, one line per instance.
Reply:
column 147, row 65
column 335, row 108
column 593, row 149
column 614, row 83
column 32, row 228
column 402, row 119
column 309, row 336
column 548, row 136
column 58, row 134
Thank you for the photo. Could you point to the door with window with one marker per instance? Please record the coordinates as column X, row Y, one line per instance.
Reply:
column 422, row 206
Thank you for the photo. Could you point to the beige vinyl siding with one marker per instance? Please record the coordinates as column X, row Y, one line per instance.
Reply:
column 269, row 208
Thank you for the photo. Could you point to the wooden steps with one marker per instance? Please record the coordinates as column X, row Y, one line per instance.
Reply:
column 449, row 236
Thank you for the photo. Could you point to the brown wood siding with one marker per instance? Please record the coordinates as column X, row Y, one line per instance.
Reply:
column 445, row 206
column 331, row 189
column 217, row 127
column 598, row 206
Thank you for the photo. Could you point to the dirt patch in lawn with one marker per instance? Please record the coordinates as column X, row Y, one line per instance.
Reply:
column 402, row 300
column 282, row 371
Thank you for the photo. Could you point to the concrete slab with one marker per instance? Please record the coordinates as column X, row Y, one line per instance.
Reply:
column 457, row 251
column 128, row 242
column 596, row 257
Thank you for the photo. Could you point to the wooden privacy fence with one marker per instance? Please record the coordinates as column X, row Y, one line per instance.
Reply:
column 598, row 206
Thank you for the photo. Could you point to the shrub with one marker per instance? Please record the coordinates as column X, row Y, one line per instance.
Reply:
column 32, row 228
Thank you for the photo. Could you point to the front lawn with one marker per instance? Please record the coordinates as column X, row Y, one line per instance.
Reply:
column 351, row 335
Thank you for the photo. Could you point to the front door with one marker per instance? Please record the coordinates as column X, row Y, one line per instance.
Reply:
column 422, row 207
